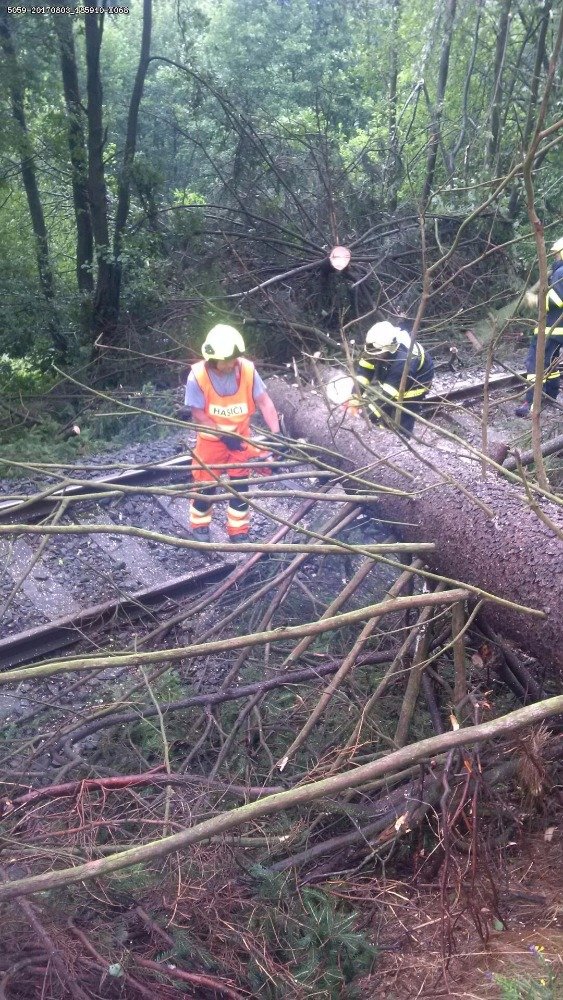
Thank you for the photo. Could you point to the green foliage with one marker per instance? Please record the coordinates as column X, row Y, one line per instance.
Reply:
column 131, row 427
column 133, row 879
column 188, row 947
column 146, row 734
column 46, row 442
column 311, row 935
column 541, row 987
column 277, row 108
column 20, row 376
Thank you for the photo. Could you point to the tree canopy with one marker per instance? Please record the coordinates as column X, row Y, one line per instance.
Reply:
column 180, row 154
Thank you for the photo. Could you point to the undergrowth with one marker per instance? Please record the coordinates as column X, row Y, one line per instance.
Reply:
column 309, row 933
column 101, row 427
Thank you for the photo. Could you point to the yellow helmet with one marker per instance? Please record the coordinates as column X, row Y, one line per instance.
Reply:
column 222, row 343
column 382, row 338
column 557, row 247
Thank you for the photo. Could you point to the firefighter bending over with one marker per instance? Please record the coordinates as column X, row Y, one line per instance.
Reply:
column 379, row 372
column 553, row 337
column 223, row 391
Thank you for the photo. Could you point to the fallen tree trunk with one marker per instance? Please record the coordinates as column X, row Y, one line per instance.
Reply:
column 485, row 532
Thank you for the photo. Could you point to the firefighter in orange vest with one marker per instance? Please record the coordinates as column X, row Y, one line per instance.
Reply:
column 223, row 391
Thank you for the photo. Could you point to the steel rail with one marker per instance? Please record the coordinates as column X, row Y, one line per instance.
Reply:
column 162, row 470
column 35, row 643
column 474, row 388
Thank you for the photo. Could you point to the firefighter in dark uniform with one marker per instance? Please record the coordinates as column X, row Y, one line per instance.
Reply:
column 379, row 372
column 553, row 337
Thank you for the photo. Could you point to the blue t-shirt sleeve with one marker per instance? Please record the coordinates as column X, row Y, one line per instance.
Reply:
column 556, row 280
column 258, row 387
column 194, row 396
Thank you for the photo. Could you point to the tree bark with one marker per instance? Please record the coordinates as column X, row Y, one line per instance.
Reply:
column 484, row 531
column 436, row 124
column 496, row 101
column 393, row 168
column 122, row 211
column 541, row 57
column 108, row 285
column 78, row 156
column 103, row 311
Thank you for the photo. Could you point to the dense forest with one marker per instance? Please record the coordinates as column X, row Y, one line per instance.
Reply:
column 159, row 162
column 320, row 758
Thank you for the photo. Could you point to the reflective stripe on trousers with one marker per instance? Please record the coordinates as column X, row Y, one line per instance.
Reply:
column 210, row 452
column 551, row 379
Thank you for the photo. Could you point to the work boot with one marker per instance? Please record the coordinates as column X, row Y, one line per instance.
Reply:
column 523, row 410
column 200, row 534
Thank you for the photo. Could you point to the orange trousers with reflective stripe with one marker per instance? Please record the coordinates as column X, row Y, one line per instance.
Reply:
column 211, row 452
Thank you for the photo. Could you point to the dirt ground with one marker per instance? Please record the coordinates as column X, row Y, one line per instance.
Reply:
column 521, row 957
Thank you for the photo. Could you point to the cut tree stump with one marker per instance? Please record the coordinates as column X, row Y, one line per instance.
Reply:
column 484, row 531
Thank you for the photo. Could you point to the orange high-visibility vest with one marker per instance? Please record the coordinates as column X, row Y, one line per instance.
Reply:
column 230, row 414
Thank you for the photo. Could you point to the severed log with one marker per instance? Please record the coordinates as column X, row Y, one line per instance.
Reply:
column 483, row 528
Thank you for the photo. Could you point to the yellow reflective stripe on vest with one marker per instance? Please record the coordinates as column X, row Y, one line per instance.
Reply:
column 416, row 392
column 552, row 296
column 393, row 393
column 556, row 331
column 389, row 390
column 551, row 375
column 362, row 363
column 363, row 380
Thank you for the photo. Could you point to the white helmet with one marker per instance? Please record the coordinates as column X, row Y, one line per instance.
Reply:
column 382, row 338
column 557, row 247
column 222, row 343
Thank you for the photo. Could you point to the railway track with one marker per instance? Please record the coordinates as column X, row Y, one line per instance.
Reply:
column 175, row 471
column 56, row 591
column 52, row 637
column 475, row 390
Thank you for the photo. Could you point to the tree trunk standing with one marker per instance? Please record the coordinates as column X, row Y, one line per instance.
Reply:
column 130, row 146
column 511, row 554
column 108, row 285
column 78, row 157
column 452, row 154
column 493, row 143
column 103, row 313
column 393, row 170
column 435, row 127
column 29, row 177
column 541, row 58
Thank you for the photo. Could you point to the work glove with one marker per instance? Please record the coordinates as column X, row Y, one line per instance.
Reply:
column 353, row 406
column 232, row 443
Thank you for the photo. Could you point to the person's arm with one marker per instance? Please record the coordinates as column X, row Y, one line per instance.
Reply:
column 269, row 412
column 201, row 417
column 555, row 291
column 365, row 371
